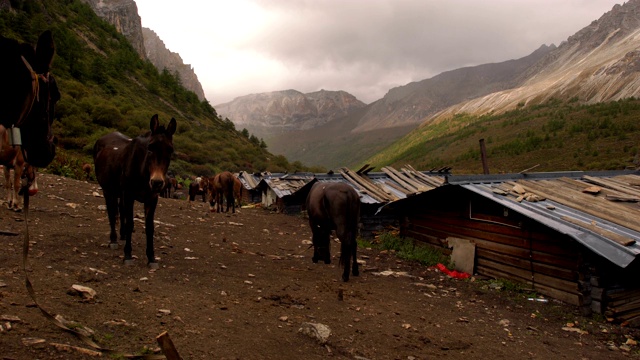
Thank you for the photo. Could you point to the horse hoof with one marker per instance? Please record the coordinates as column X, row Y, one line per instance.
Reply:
column 113, row 246
column 153, row 265
column 129, row 262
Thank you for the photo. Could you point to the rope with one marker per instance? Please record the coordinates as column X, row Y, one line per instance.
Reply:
column 87, row 340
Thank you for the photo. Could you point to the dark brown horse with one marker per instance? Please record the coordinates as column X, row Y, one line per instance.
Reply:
column 28, row 95
column 334, row 206
column 130, row 170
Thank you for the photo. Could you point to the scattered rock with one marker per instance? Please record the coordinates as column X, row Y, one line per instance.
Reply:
column 317, row 331
column 87, row 293
column 30, row 341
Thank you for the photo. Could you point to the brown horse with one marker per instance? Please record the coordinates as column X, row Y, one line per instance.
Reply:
column 28, row 95
column 237, row 190
column 130, row 170
column 11, row 159
column 170, row 186
column 223, row 189
column 198, row 187
column 334, row 206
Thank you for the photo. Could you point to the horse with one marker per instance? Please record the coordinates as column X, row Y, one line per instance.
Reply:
column 334, row 206
column 171, row 185
column 198, row 187
column 223, row 188
column 211, row 193
column 86, row 169
column 11, row 158
column 237, row 190
column 130, row 170
column 28, row 96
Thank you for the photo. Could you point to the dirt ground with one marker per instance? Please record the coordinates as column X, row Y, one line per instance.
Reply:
column 241, row 286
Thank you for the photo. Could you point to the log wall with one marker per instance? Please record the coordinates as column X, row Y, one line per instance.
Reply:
column 508, row 245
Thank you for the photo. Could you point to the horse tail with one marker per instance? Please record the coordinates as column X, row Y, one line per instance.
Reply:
column 351, row 223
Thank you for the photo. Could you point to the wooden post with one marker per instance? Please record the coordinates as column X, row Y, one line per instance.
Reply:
column 483, row 154
column 168, row 349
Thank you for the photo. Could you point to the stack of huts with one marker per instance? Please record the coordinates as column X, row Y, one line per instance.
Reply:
column 570, row 236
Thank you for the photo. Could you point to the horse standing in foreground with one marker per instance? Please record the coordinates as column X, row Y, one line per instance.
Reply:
column 130, row 170
column 28, row 95
column 334, row 206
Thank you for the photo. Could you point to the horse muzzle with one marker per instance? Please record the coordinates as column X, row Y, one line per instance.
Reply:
column 156, row 185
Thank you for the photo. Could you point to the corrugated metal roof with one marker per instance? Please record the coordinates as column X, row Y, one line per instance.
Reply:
column 374, row 188
column 287, row 184
column 597, row 209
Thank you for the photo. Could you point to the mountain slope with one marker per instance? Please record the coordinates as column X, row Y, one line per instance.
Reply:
column 597, row 65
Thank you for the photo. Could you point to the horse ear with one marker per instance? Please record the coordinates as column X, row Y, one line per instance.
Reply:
column 153, row 125
column 171, row 128
column 45, row 49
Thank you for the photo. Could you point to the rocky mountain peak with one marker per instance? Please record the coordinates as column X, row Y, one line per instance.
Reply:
column 265, row 114
column 123, row 14
column 162, row 58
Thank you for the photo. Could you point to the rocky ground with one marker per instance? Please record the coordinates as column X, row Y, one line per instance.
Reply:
column 243, row 286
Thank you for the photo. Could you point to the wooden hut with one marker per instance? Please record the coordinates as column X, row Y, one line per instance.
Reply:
column 571, row 236
column 282, row 192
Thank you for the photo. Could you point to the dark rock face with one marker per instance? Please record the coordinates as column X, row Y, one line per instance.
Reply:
column 163, row 58
column 123, row 14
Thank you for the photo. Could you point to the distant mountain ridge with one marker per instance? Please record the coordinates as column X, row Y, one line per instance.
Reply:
column 272, row 113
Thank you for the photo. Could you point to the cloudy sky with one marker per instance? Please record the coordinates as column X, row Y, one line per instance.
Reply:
column 365, row 47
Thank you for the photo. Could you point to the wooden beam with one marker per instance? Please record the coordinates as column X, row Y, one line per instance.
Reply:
column 399, row 180
column 168, row 349
column 620, row 239
column 611, row 185
column 604, row 209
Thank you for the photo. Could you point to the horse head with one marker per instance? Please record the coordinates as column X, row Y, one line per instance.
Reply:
column 159, row 152
column 28, row 95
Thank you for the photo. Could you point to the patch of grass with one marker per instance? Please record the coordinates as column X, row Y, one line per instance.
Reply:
column 408, row 249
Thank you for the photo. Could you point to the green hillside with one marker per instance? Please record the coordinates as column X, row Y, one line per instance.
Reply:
column 106, row 86
column 554, row 136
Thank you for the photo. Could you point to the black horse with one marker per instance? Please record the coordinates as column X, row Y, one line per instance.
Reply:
column 28, row 95
column 334, row 206
column 130, row 170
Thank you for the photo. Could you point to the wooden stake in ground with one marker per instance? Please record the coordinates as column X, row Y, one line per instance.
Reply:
column 168, row 349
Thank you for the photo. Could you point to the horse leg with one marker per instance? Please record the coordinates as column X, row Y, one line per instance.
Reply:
column 126, row 217
column 112, row 212
column 354, row 247
column 17, row 177
column 149, row 212
column 345, row 258
column 7, row 185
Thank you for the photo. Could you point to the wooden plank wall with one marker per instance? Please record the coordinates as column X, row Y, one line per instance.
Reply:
column 546, row 261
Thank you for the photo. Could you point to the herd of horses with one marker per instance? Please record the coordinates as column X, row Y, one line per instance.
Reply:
column 130, row 170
